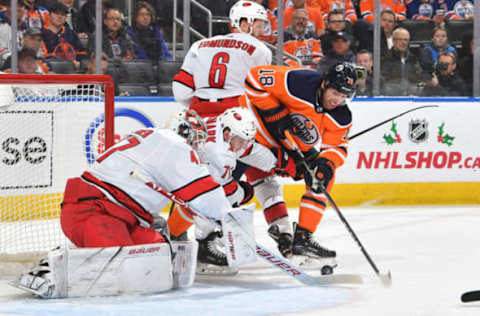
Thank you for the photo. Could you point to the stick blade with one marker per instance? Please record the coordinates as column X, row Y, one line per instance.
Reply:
column 338, row 279
column 386, row 279
column 471, row 296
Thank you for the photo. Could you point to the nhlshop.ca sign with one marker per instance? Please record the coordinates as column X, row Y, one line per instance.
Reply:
column 428, row 145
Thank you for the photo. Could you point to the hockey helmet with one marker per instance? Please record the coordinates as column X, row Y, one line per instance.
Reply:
column 240, row 122
column 190, row 126
column 342, row 77
column 248, row 10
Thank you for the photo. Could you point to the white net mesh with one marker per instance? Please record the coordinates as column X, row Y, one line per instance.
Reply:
column 49, row 133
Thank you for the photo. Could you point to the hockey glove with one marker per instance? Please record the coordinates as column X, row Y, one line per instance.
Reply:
column 320, row 173
column 277, row 121
column 285, row 164
column 247, row 191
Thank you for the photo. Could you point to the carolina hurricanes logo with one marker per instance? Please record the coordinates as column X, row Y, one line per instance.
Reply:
column 246, row 4
column 305, row 129
column 237, row 116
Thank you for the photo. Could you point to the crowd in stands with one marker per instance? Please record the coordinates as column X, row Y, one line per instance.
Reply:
column 417, row 55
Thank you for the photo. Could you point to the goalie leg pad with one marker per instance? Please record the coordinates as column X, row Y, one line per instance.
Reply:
column 184, row 263
column 239, row 236
column 81, row 272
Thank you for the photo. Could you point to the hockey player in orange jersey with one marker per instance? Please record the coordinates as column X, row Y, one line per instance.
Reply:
column 313, row 109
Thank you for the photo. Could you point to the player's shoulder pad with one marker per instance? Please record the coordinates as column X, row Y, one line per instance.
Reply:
column 303, row 84
column 341, row 115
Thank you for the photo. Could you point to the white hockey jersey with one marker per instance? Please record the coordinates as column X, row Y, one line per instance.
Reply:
column 221, row 160
column 215, row 68
column 164, row 158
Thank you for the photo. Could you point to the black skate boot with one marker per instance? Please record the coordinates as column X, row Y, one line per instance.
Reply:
column 283, row 240
column 305, row 245
column 211, row 259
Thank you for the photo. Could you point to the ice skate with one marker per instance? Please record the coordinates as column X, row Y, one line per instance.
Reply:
column 309, row 254
column 211, row 258
column 284, row 240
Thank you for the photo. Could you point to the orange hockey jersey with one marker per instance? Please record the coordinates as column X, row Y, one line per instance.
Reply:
column 268, row 87
column 345, row 5
column 367, row 9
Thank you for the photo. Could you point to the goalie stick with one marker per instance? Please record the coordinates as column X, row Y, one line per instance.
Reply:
column 471, row 296
column 280, row 263
column 386, row 278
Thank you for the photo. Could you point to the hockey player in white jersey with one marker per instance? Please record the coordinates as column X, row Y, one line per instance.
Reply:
column 230, row 138
column 111, row 217
column 212, row 76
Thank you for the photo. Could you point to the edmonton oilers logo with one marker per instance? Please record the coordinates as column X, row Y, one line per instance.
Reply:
column 95, row 134
column 305, row 129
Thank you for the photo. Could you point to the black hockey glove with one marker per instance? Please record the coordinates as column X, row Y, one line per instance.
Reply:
column 248, row 191
column 277, row 121
column 319, row 173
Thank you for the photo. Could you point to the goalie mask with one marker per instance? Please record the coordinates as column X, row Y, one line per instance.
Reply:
column 190, row 126
column 248, row 10
column 241, row 125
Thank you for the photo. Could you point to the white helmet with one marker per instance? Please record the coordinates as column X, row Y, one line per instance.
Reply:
column 240, row 121
column 247, row 10
column 190, row 126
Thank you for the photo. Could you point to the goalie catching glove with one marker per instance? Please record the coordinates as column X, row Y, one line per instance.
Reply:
column 320, row 173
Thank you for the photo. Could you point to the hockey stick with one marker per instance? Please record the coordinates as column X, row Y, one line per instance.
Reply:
column 386, row 278
column 390, row 119
column 471, row 296
column 283, row 264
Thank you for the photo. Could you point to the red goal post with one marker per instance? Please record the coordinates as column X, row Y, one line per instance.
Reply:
column 52, row 127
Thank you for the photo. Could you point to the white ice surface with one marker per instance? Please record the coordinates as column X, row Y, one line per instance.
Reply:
column 432, row 252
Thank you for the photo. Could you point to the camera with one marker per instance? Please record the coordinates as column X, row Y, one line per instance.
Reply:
column 442, row 66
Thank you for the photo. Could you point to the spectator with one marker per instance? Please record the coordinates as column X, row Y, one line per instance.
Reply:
column 28, row 63
column 61, row 41
column 32, row 38
column 426, row 10
column 116, row 41
column 431, row 52
column 148, row 41
column 367, row 9
column 340, row 52
column 73, row 17
column 37, row 16
column 346, row 7
column 364, row 59
column 363, row 31
column 459, row 10
column 86, row 22
column 445, row 80
column 6, row 30
column 335, row 23
column 465, row 65
column 301, row 42
column 315, row 19
column 400, row 68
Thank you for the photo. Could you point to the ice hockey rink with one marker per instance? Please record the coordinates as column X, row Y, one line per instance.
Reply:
column 432, row 253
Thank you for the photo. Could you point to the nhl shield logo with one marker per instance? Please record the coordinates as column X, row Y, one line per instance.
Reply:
column 418, row 130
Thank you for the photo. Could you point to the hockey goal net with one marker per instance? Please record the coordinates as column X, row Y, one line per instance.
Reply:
column 51, row 128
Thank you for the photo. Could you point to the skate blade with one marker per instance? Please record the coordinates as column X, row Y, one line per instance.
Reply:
column 309, row 263
column 211, row 269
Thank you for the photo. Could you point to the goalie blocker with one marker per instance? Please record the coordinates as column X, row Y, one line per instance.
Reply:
column 140, row 269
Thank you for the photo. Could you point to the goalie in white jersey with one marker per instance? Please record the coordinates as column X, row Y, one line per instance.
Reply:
column 107, row 213
column 213, row 72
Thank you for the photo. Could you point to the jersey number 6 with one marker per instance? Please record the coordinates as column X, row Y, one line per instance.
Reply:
column 218, row 70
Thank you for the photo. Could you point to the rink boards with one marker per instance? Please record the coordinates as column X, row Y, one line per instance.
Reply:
column 428, row 156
